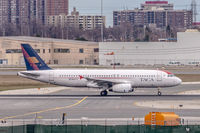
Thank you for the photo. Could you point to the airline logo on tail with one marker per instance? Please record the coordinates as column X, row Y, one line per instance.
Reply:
column 32, row 59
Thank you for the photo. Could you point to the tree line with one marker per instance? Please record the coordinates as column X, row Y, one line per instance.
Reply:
column 123, row 33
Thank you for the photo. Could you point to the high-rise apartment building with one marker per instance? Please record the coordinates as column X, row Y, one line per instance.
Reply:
column 4, row 12
column 22, row 12
column 37, row 11
column 14, row 12
column 85, row 22
column 159, row 13
column 56, row 7
column 31, row 10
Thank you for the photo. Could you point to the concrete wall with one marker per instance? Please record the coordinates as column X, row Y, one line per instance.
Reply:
column 47, row 47
column 183, row 52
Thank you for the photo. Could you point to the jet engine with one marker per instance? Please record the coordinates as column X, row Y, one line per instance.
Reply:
column 122, row 88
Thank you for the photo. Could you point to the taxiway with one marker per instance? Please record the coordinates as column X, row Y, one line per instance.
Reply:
column 83, row 102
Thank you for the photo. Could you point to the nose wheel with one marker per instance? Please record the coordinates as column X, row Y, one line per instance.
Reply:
column 104, row 93
column 159, row 92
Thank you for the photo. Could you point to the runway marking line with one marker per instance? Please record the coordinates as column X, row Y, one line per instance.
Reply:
column 47, row 110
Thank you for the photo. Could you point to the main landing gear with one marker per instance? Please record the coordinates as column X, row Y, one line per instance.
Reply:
column 104, row 93
column 159, row 92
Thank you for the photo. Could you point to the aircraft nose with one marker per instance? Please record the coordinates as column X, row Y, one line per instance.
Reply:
column 179, row 81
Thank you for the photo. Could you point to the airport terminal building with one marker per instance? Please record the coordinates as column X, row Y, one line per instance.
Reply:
column 186, row 51
column 53, row 51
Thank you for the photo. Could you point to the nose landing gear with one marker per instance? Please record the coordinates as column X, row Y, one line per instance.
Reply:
column 159, row 92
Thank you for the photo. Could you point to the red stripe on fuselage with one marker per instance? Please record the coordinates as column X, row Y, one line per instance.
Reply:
column 169, row 73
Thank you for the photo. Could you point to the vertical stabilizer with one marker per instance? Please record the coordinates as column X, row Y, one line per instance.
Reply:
column 32, row 59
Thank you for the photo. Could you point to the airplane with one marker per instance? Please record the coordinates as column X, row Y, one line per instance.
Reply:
column 118, row 81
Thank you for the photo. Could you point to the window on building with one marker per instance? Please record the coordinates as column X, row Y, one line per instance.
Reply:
column 81, row 50
column 3, row 61
column 96, row 49
column 37, row 50
column 95, row 62
column 81, row 62
column 43, row 50
column 13, row 51
column 49, row 50
column 61, row 50
column 55, row 61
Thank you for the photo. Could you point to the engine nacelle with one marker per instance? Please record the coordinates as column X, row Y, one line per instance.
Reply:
column 122, row 88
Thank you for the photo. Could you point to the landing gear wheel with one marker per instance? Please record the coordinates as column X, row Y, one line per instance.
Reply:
column 104, row 93
column 159, row 93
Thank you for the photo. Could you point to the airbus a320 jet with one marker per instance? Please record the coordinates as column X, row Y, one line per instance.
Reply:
column 118, row 81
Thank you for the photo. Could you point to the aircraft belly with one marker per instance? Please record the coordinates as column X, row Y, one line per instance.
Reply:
column 72, row 83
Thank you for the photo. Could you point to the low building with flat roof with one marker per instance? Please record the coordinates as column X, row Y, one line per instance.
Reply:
column 52, row 51
column 186, row 51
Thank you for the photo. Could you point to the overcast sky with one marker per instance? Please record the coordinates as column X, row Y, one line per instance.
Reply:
column 93, row 7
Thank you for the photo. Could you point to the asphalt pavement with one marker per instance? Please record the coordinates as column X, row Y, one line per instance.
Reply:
column 83, row 102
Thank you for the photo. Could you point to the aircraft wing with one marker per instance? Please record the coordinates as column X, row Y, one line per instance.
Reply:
column 101, row 82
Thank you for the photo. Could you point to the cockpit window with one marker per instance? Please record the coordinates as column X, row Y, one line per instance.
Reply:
column 171, row 75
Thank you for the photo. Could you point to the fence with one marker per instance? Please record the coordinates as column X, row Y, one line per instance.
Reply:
column 93, row 126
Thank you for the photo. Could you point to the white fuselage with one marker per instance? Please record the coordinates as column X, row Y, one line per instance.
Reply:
column 72, row 78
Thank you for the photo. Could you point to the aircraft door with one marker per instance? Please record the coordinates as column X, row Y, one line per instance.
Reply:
column 51, row 77
column 159, row 76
